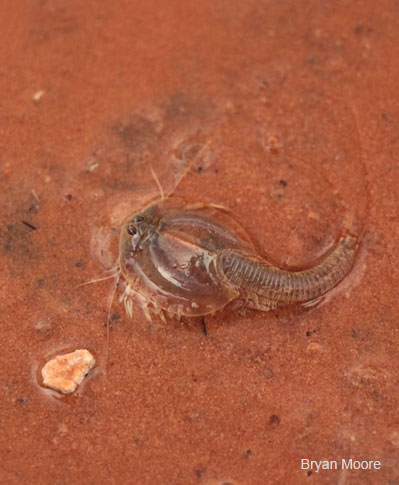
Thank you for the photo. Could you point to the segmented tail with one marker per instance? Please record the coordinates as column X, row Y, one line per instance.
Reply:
column 258, row 277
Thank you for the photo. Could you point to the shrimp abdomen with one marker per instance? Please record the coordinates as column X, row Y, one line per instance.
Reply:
column 254, row 276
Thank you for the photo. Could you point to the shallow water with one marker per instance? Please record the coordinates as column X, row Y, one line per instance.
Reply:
column 285, row 113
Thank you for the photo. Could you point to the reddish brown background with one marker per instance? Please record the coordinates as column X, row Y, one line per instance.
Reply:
column 301, row 91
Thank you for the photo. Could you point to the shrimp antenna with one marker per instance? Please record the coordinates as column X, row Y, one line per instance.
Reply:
column 116, row 277
column 161, row 191
column 97, row 280
column 366, row 209
column 191, row 162
column 184, row 172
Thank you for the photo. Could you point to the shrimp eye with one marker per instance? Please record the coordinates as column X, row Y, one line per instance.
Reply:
column 131, row 230
column 139, row 219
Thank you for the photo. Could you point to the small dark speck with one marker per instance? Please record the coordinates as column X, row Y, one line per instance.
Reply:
column 376, row 395
column 362, row 29
column 274, row 420
column 41, row 283
column 309, row 473
column 248, row 453
column 359, row 29
column 203, row 326
column 283, row 182
column 136, row 440
column 308, row 333
column 68, row 196
column 199, row 472
column 313, row 60
column 22, row 400
column 385, row 117
column 31, row 226
column 79, row 264
column 200, row 169
column 216, row 170
column 114, row 317
column 355, row 333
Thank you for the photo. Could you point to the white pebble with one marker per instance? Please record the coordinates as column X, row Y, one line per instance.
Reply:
column 65, row 372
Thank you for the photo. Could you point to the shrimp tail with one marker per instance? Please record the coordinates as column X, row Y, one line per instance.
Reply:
column 263, row 282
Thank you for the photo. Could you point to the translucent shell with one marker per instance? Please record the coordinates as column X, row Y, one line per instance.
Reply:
column 171, row 260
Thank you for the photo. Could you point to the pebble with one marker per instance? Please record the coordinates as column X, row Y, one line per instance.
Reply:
column 38, row 95
column 65, row 372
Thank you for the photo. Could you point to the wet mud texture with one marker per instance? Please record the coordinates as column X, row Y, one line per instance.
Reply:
column 284, row 112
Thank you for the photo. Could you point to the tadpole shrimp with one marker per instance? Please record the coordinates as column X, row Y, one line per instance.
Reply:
column 185, row 259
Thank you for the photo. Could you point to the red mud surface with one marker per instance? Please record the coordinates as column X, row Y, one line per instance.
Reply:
column 285, row 112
